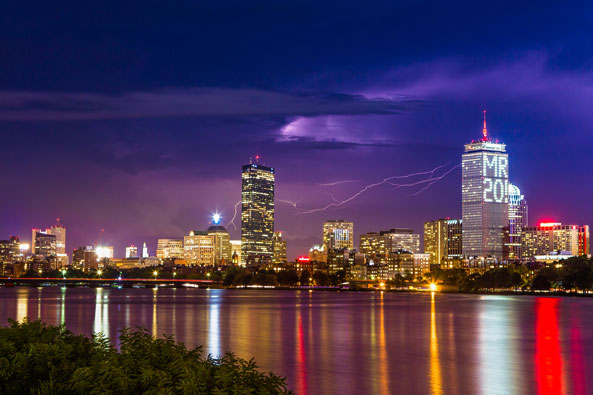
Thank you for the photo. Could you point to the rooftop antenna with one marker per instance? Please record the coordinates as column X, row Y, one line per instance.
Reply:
column 250, row 160
column 257, row 158
column 485, row 131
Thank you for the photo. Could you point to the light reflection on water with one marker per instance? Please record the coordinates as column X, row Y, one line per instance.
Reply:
column 328, row 342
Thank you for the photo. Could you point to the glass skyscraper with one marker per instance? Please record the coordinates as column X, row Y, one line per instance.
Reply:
column 257, row 213
column 485, row 197
column 517, row 221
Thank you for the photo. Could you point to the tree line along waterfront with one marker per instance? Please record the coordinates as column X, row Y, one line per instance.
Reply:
column 570, row 275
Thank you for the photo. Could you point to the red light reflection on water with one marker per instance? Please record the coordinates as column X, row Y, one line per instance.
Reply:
column 300, row 354
column 548, row 359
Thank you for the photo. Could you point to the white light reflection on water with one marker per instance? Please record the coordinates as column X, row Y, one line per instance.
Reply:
column 214, row 323
column 101, row 323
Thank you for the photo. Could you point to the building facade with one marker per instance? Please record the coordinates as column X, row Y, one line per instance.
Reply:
column 485, row 197
column 257, row 212
column 454, row 242
column 554, row 237
column 518, row 219
column 435, row 240
column 279, row 249
column 169, row 249
column 222, row 244
column 199, row 248
column 131, row 251
column 338, row 234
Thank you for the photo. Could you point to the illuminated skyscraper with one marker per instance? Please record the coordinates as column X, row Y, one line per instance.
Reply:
column 59, row 231
column 338, row 234
column 199, row 248
column 435, row 240
column 279, row 248
column 144, row 250
column 517, row 221
column 222, row 244
column 257, row 212
column 485, row 197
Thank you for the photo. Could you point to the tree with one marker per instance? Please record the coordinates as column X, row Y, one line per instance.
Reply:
column 305, row 276
column 37, row 358
column 320, row 278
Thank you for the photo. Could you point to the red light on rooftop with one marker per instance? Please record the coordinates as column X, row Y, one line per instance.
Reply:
column 303, row 259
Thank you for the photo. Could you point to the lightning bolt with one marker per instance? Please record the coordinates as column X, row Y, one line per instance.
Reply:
column 293, row 204
column 232, row 221
column 429, row 180
column 331, row 184
column 435, row 179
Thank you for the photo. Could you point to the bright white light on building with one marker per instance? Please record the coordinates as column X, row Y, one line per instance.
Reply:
column 216, row 218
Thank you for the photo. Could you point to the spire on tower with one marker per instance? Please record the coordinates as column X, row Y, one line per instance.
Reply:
column 485, row 131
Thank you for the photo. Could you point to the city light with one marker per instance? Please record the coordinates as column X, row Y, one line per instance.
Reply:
column 24, row 247
column 99, row 272
column 216, row 218
column 433, row 287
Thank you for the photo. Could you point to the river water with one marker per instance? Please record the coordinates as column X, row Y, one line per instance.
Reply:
column 348, row 342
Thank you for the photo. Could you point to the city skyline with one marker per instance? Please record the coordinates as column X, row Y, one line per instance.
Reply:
column 142, row 131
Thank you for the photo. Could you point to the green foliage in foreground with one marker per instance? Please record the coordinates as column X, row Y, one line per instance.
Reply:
column 36, row 358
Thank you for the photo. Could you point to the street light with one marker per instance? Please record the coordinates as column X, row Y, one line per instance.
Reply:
column 99, row 273
column 155, row 274
column 63, row 273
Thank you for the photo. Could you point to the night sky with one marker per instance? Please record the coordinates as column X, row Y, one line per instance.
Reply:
column 137, row 119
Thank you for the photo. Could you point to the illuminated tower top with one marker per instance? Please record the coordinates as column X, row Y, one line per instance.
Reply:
column 485, row 143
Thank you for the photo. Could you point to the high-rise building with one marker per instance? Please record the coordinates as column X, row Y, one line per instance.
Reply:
column 144, row 250
column 45, row 244
column 169, row 248
column 222, row 244
column 257, row 212
column 85, row 258
column 59, row 231
column 518, row 220
column 132, row 251
column 318, row 253
column 338, row 234
column 454, row 242
column 199, row 248
column 553, row 237
column 104, row 252
column 435, row 240
column 485, row 197
column 279, row 248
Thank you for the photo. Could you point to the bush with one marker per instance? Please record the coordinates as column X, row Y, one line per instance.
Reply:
column 42, row 359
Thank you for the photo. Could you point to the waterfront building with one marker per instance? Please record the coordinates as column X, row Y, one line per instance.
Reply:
column 257, row 212
column 421, row 264
column 104, row 252
column 550, row 237
column 279, row 248
column 318, row 253
column 518, row 219
column 45, row 244
column 236, row 252
column 199, row 248
column 485, row 197
column 435, row 240
column 222, row 244
column 338, row 234
column 10, row 250
column 169, row 248
column 131, row 251
column 85, row 258
column 454, row 242
column 378, row 245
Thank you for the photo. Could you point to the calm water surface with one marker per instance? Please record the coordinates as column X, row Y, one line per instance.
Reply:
column 351, row 343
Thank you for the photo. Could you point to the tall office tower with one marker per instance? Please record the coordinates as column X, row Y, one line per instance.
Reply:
column 485, row 197
column 144, row 250
column 45, row 244
column 257, row 212
column 104, row 252
column 279, row 248
column 169, row 248
column 454, row 242
column 338, row 234
column 553, row 237
column 222, row 244
column 236, row 252
column 131, row 251
column 517, row 221
column 199, row 248
column 435, row 240
column 59, row 231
